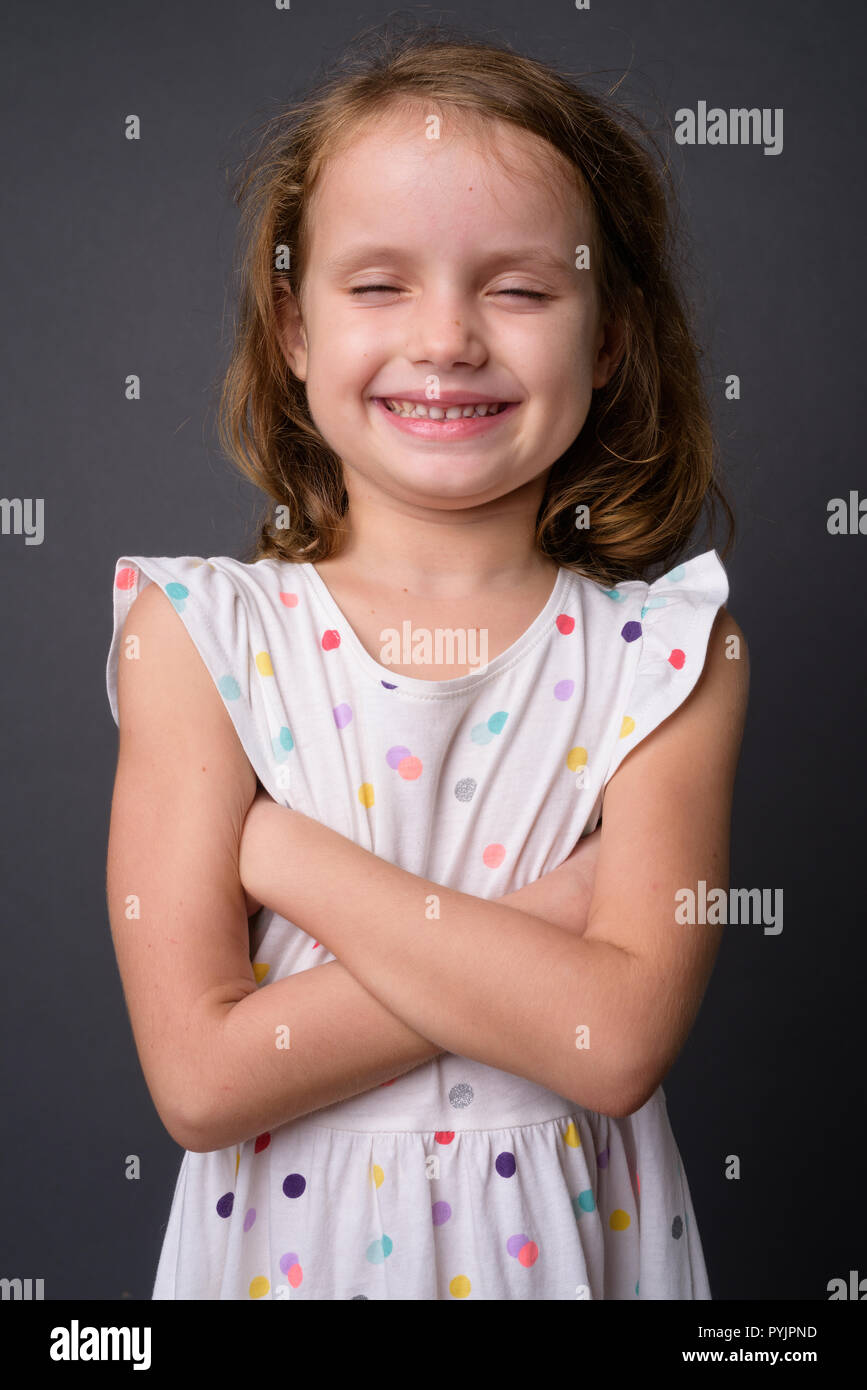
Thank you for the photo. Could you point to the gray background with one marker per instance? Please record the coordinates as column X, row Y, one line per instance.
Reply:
column 117, row 260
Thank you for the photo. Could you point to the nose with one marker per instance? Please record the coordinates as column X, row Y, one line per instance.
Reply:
column 445, row 331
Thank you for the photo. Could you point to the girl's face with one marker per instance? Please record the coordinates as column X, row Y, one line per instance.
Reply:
column 424, row 263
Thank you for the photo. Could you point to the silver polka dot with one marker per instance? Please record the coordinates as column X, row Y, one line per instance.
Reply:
column 677, row 1228
column 465, row 789
column 461, row 1095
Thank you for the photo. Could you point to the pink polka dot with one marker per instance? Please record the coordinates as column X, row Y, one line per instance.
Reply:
column 290, row 600
column 565, row 624
column 330, row 639
column 125, row 578
column 410, row 768
column 677, row 658
column 493, row 855
column 529, row 1255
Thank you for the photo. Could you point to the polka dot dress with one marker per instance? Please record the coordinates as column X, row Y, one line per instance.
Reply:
column 456, row 1180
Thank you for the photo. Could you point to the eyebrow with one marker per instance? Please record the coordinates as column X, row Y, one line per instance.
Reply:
column 358, row 256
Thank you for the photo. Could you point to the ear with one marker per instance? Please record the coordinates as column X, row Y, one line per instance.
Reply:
column 610, row 347
column 290, row 328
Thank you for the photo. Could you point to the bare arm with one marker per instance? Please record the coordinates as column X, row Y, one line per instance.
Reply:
column 507, row 988
column 179, row 920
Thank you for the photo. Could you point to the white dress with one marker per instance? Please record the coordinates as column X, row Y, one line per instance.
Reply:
column 456, row 1180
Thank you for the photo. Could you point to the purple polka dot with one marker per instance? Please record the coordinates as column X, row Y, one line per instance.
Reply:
column 630, row 631
column 287, row 1261
column 602, row 1159
column 225, row 1204
column 440, row 1212
column 388, row 685
column 249, row 1218
column 506, row 1165
column 342, row 715
column 294, row 1185
column 395, row 756
column 563, row 690
column 515, row 1245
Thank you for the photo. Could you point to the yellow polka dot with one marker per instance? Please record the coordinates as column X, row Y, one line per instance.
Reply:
column 263, row 664
column 627, row 726
column 460, row 1286
column 259, row 1287
column 260, row 970
column 376, row 1175
column 572, row 1137
column 237, row 1161
column 576, row 757
column 365, row 794
column 619, row 1220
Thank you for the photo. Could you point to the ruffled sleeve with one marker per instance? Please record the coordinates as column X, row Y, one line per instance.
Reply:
column 666, row 626
column 219, row 603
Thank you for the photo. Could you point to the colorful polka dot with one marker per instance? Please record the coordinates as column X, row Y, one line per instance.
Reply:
column 125, row 578
column 461, row 1095
column 262, row 1142
column 290, row 600
column 565, row 624
column 627, row 726
column 229, row 688
column 290, row 1266
column 677, row 1227
column 676, row 574
column 493, row 855
column 410, row 768
column 330, row 639
column 619, row 1220
column 602, row 1158
column 564, row 690
column 440, row 1213
column 630, row 631
column 365, row 794
column 585, row 1201
column 444, row 1136
column 460, row 1286
column 394, row 757
column 342, row 715
column 571, row 1135
column 249, row 1218
column 178, row 593
column 575, row 758
column 260, row 970
column 225, row 1204
column 379, row 1250
column 465, row 789
column 259, row 1287
column 677, row 658
column 294, row 1185
column 263, row 664
column 377, row 1176
column 506, row 1165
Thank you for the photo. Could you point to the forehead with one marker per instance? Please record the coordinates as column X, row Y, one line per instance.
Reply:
column 476, row 180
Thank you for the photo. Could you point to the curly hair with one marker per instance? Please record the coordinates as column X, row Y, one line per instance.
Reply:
column 644, row 462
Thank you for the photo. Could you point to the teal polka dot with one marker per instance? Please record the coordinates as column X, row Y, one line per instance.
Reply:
column 229, row 688
column 178, row 593
column 286, row 739
column 379, row 1250
column 615, row 594
column 496, row 721
column 281, row 744
column 583, row 1202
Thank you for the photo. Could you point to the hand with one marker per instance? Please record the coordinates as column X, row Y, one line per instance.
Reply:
column 563, row 895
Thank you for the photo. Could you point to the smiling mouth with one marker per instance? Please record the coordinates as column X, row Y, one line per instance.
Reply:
column 415, row 410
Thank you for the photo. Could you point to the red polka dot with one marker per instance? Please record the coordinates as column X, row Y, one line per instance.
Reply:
column 677, row 658
column 262, row 1142
column 330, row 639
column 528, row 1254
column 444, row 1136
column 125, row 578
column 565, row 624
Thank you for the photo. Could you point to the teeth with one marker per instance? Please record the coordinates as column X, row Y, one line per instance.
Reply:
column 438, row 412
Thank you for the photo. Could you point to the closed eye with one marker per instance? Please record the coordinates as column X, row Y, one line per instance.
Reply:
column 393, row 289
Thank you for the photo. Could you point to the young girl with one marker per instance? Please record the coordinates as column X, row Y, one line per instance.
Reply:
column 429, row 1066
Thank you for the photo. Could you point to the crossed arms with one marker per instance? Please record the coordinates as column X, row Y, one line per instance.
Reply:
column 506, row 982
